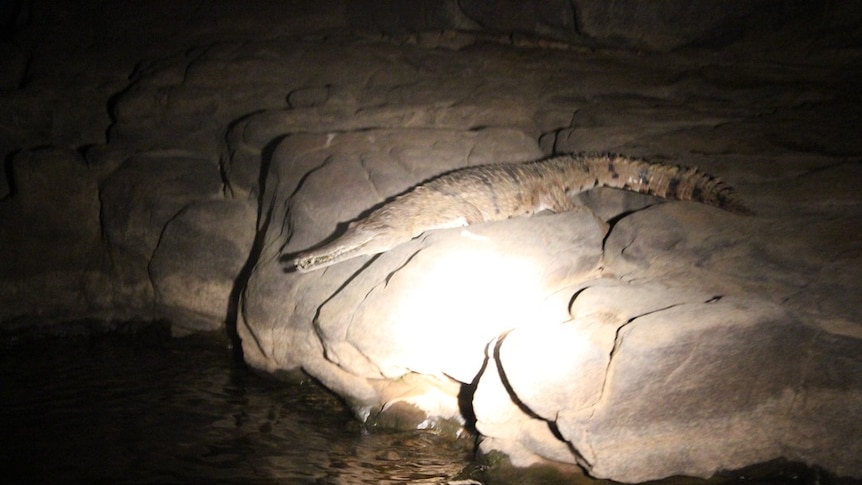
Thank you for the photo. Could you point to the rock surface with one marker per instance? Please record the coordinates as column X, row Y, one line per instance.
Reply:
column 159, row 164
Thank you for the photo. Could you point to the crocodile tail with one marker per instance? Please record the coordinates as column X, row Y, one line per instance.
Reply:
column 672, row 182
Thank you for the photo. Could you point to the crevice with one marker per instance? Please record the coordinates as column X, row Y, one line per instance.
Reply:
column 513, row 395
column 228, row 151
column 401, row 266
column 365, row 169
column 315, row 320
column 613, row 221
column 824, row 168
column 152, row 256
column 466, row 394
column 579, row 457
column 264, row 217
column 505, row 381
column 618, row 341
column 287, row 257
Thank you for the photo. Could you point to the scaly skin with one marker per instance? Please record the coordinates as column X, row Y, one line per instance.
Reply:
column 500, row 191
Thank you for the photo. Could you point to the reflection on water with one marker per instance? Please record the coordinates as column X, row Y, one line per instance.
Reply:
column 127, row 409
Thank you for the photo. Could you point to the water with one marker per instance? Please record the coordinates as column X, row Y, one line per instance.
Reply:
column 141, row 407
column 114, row 408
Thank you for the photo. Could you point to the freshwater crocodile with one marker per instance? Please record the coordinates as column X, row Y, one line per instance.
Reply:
column 499, row 191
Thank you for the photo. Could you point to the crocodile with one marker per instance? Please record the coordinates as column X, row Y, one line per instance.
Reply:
column 500, row 191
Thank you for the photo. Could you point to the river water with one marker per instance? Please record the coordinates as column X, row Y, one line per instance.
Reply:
column 152, row 409
column 142, row 407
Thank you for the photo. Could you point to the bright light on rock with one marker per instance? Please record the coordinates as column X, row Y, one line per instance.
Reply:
column 472, row 291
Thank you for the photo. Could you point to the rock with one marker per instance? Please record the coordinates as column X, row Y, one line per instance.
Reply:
column 492, row 278
column 50, row 234
column 195, row 267
column 55, row 199
column 719, row 380
column 370, row 15
column 252, row 138
column 279, row 309
column 671, row 25
column 147, row 191
column 138, row 201
column 182, row 94
column 308, row 97
column 506, row 426
column 13, row 65
column 548, row 385
column 708, row 367
column 554, row 18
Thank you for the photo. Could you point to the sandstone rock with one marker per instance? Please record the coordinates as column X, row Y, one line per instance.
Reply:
column 49, row 232
column 382, row 325
column 251, row 139
column 308, row 97
column 138, row 200
column 13, row 65
column 654, row 370
column 181, row 95
column 492, row 278
column 396, row 17
column 547, row 384
column 722, row 381
column 507, row 426
column 554, row 19
column 199, row 257
column 147, row 191
column 55, row 196
column 672, row 25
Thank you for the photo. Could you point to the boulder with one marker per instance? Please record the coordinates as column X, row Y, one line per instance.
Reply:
column 698, row 370
column 718, row 385
column 647, row 382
